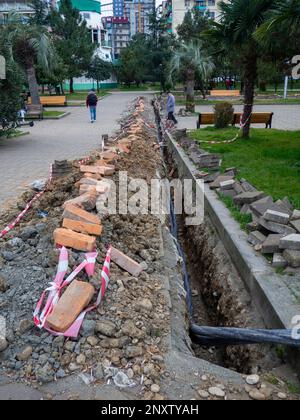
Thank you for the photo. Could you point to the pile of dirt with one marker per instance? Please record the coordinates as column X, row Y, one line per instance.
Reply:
column 127, row 331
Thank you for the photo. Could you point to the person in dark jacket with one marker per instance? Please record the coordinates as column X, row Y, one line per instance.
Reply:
column 91, row 103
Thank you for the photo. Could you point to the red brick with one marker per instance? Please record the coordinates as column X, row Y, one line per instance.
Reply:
column 126, row 263
column 123, row 148
column 102, row 170
column 92, row 176
column 78, row 241
column 82, row 227
column 76, row 298
column 76, row 213
column 85, row 201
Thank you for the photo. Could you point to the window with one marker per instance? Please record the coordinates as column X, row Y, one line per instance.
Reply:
column 86, row 16
column 211, row 2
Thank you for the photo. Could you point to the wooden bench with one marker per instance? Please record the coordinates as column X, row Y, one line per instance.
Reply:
column 256, row 118
column 35, row 111
column 52, row 100
column 225, row 93
column 208, row 118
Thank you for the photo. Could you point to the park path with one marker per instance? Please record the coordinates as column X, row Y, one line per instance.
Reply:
column 25, row 159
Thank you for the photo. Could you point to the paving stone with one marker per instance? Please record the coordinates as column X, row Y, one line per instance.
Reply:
column 261, row 206
column 296, row 225
column 283, row 205
column 276, row 227
column 228, row 193
column 248, row 197
column 227, row 185
column 247, row 187
column 256, row 238
column 276, row 216
column 253, row 226
column 246, row 209
column 77, row 296
column 238, row 188
column 292, row 257
column 291, row 242
column 218, row 180
column 272, row 244
column 279, row 261
column 296, row 215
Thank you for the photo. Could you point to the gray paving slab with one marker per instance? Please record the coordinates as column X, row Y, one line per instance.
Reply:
column 24, row 159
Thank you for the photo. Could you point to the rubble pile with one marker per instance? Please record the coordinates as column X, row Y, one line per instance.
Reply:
column 127, row 332
column 275, row 226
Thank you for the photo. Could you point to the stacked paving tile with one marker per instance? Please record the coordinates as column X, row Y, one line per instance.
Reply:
column 275, row 226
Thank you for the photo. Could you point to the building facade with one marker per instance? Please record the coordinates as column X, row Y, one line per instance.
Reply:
column 119, row 35
column 175, row 10
column 20, row 6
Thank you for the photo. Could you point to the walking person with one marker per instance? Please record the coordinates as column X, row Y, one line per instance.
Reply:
column 171, row 108
column 91, row 103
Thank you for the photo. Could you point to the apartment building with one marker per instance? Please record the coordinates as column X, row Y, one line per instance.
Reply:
column 119, row 35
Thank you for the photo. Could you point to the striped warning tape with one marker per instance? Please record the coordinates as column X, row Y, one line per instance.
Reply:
column 12, row 225
column 54, row 291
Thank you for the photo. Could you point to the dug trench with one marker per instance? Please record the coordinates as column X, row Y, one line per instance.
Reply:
column 220, row 299
column 141, row 328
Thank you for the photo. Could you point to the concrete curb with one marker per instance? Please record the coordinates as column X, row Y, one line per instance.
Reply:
column 65, row 114
column 273, row 299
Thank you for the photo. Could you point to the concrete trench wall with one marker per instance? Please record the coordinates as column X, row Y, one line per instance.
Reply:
column 270, row 296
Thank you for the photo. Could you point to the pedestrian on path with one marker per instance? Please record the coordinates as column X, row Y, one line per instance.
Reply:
column 171, row 108
column 91, row 103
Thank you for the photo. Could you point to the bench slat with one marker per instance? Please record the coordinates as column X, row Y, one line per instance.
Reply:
column 225, row 93
column 52, row 100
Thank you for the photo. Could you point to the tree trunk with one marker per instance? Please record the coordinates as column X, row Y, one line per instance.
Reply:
column 62, row 89
column 98, row 86
column 190, row 90
column 33, row 85
column 250, row 74
column 71, row 85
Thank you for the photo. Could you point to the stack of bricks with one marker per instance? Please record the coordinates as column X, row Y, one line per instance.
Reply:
column 80, row 227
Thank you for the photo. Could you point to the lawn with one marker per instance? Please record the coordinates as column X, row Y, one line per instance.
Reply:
column 53, row 114
column 81, row 95
column 270, row 160
column 258, row 101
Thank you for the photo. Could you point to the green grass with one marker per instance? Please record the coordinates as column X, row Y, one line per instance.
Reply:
column 272, row 101
column 293, row 388
column 53, row 114
column 81, row 95
column 270, row 159
column 141, row 88
column 242, row 219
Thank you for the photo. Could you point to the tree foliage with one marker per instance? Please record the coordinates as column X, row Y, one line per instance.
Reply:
column 72, row 39
column 11, row 87
column 99, row 70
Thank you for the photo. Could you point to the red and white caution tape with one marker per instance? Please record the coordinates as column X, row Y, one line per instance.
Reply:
column 11, row 225
column 54, row 291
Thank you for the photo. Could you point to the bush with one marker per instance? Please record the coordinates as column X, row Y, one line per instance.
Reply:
column 224, row 113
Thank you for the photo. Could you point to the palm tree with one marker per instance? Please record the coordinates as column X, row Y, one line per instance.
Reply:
column 239, row 22
column 192, row 59
column 30, row 46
